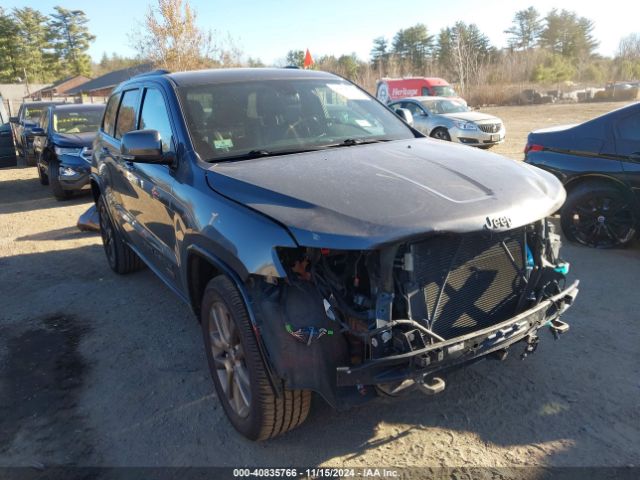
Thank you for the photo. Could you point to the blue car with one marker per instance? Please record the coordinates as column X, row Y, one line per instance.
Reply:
column 63, row 147
column 598, row 162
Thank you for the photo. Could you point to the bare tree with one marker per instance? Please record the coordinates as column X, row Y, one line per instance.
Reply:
column 629, row 47
column 172, row 40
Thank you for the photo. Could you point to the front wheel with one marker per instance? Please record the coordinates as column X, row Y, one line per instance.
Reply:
column 54, row 181
column 598, row 216
column 44, row 179
column 238, row 371
column 441, row 134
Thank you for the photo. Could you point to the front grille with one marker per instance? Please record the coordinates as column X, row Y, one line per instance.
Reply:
column 477, row 282
column 490, row 127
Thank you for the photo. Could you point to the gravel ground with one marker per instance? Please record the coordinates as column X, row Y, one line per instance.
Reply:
column 97, row 369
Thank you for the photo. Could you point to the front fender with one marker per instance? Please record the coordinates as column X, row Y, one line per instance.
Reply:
column 241, row 238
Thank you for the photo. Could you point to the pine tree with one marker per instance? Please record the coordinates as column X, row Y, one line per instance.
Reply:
column 31, row 43
column 569, row 35
column 9, row 55
column 71, row 38
column 526, row 29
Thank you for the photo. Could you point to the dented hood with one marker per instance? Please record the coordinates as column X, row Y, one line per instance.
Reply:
column 365, row 196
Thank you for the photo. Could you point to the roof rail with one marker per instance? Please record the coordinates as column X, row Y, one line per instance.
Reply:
column 153, row 72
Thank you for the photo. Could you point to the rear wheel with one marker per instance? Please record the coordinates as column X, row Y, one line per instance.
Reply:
column 598, row 216
column 54, row 171
column 119, row 255
column 238, row 371
column 441, row 134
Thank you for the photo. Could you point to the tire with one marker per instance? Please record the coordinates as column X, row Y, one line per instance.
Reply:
column 248, row 399
column 44, row 179
column 58, row 192
column 441, row 134
column 598, row 216
column 120, row 257
column 21, row 161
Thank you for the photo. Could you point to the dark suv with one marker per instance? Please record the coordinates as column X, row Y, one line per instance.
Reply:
column 63, row 147
column 28, row 117
column 347, row 258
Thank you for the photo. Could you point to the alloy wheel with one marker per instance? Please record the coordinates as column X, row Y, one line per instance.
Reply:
column 602, row 222
column 229, row 359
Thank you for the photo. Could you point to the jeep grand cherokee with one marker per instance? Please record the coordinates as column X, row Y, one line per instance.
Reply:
column 339, row 253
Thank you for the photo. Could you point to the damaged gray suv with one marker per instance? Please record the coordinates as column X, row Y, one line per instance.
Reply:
column 324, row 244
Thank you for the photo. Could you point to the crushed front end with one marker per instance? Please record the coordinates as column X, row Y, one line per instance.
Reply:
column 348, row 323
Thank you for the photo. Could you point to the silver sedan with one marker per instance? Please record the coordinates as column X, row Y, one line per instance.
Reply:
column 451, row 119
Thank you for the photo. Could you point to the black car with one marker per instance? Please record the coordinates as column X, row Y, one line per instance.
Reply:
column 63, row 147
column 28, row 117
column 347, row 258
column 7, row 148
column 599, row 164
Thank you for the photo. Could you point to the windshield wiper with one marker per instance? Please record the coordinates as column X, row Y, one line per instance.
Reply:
column 257, row 154
column 349, row 142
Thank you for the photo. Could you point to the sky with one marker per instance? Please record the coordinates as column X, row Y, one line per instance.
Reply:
column 268, row 29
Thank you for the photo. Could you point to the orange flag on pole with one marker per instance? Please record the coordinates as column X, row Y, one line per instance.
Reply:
column 308, row 61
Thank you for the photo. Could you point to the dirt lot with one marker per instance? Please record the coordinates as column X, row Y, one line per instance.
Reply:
column 97, row 369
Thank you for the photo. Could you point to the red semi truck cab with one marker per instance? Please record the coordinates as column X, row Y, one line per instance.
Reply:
column 389, row 89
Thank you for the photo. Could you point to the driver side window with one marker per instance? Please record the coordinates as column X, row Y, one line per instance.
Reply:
column 154, row 116
column 415, row 110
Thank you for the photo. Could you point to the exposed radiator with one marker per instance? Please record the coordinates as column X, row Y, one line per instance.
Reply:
column 471, row 279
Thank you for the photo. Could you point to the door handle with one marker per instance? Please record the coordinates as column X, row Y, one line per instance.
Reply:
column 635, row 157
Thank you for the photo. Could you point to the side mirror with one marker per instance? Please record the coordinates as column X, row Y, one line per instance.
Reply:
column 14, row 120
column 37, row 132
column 143, row 146
column 405, row 115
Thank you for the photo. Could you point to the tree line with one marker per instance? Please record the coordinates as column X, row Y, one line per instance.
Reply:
column 547, row 49
column 41, row 48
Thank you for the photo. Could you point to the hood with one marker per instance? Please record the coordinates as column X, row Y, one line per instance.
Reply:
column 364, row 196
column 471, row 116
column 74, row 139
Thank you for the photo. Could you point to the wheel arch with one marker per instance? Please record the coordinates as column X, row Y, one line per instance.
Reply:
column 96, row 188
column 439, row 127
column 202, row 266
column 600, row 179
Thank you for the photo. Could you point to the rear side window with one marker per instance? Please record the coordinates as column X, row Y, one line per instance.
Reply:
column 126, row 120
column 109, row 120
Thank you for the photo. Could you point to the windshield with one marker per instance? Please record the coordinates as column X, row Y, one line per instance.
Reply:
column 283, row 116
column 77, row 122
column 444, row 91
column 32, row 114
column 444, row 106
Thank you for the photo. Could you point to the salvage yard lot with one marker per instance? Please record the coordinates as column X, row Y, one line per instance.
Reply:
column 97, row 369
